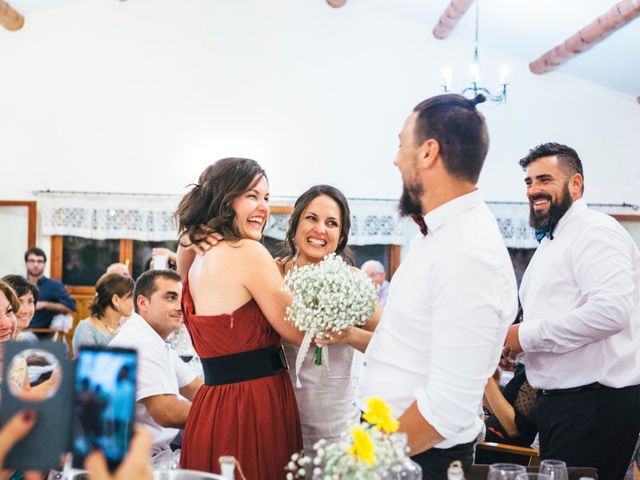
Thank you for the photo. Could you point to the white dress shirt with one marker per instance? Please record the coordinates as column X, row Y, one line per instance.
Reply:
column 160, row 372
column 580, row 299
column 441, row 334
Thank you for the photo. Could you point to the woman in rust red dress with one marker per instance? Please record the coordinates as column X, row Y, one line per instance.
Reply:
column 234, row 307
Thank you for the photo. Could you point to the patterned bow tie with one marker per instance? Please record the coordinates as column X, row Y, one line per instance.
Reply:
column 420, row 222
column 541, row 233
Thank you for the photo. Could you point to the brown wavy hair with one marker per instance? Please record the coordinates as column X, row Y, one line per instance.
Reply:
column 208, row 206
column 108, row 285
column 301, row 205
column 10, row 293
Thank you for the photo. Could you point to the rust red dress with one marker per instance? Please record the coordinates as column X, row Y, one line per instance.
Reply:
column 256, row 421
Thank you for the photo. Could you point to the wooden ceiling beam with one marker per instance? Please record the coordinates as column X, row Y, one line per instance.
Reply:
column 9, row 18
column 336, row 3
column 449, row 19
column 615, row 18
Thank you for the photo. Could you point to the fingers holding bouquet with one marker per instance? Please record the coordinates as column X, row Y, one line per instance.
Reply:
column 356, row 337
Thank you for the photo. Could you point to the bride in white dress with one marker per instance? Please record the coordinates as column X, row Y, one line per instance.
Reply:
column 319, row 225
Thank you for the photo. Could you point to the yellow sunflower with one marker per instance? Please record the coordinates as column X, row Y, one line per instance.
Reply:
column 363, row 448
column 379, row 415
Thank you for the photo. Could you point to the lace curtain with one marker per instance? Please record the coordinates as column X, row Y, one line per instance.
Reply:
column 150, row 218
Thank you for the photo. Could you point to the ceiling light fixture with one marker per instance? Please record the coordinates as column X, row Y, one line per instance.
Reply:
column 475, row 76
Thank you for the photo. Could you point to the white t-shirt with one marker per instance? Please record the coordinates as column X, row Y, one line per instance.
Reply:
column 160, row 372
column 443, row 327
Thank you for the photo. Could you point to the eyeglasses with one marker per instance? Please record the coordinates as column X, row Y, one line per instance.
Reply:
column 36, row 260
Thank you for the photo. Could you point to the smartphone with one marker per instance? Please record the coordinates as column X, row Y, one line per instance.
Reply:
column 104, row 403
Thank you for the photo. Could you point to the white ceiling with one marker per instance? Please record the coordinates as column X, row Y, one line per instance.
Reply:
column 523, row 28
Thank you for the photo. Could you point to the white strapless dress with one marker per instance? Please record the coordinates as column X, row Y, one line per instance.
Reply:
column 327, row 397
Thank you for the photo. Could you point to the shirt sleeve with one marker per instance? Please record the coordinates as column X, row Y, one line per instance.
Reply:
column 184, row 374
column 470, row 296
column 63, row 297
column 153, row 375
column 82, row 335
column 602, row 263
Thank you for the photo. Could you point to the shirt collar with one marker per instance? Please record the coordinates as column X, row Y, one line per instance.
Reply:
column 144, row 325
column 578, row 206
column 448, row 211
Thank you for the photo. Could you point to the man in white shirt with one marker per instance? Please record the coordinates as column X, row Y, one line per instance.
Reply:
column 162, row 379
column 580, row 333
column 454, row 295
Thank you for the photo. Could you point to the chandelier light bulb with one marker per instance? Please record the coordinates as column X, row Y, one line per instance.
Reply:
column 446, row 78
column 504, row 74
column 474, row 72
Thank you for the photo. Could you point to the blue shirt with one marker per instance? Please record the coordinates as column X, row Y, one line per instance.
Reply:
column 51, row 291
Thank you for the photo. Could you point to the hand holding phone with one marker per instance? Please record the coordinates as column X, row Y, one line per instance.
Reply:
column 105, row 388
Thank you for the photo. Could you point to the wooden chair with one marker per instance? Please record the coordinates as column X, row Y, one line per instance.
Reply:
column 56, row 334
column 533, row 454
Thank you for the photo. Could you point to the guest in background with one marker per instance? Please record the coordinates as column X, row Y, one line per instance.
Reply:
column 453, row 296
column 9, row 304
column 28, row 295
column 120, row 268
column 375, row 271
column 512, row 418
column 318, row 226
column 113, row 303
column 234, row 306
column 53, row 298
column 580, row 334
column 165, row 385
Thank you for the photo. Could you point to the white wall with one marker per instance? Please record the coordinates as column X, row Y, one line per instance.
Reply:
column 140, row 96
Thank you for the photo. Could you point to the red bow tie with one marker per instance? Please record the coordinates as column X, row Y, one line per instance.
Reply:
column 420, row 222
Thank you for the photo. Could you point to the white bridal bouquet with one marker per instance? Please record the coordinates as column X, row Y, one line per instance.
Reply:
column 327, row 297
column 368, row 451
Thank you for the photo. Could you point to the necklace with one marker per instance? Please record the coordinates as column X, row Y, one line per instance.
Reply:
column 112, row 331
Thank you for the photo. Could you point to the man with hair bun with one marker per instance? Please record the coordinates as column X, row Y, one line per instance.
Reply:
column 454, row 295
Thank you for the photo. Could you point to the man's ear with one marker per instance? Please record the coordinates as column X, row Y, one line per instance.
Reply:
column 576, row 186
column 428, row 153
column 142, row 302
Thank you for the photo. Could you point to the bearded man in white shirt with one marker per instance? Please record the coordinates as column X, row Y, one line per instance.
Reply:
column 580, row 334
column 454, row 295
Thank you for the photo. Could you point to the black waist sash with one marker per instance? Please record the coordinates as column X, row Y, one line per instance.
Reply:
column 239, row 367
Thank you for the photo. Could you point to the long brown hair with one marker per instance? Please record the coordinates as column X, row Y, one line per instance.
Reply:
column 301, row 205
column 208, row 206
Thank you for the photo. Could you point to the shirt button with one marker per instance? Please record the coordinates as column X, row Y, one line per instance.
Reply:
column 364, row 364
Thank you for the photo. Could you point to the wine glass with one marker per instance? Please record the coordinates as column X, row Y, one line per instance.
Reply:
column 556, row 469
column 505, row 471
column 533, row 476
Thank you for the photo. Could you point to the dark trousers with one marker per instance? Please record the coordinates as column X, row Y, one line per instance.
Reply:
column 591, row 428
column 435, row 462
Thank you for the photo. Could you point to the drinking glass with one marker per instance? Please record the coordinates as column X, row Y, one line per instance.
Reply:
column 556, row 469
column 533, row 476
column 505, row 471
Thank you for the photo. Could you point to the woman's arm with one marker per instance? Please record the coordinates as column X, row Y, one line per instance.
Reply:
column 266, row 285
column 501, row 408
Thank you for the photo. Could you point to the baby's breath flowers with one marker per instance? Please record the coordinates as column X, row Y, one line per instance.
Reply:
column 327, row 297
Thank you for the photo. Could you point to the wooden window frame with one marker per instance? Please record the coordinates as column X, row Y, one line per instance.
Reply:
column 32, row 211
column 57, row 242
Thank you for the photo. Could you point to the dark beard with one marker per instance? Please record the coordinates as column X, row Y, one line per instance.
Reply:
column 410, row 201
column 549, row 220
